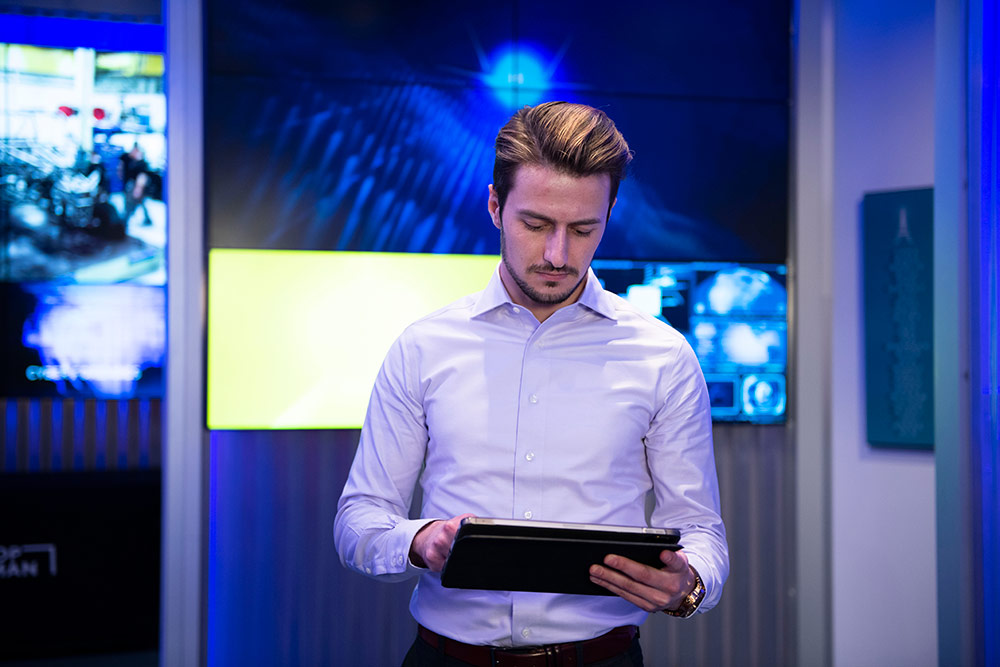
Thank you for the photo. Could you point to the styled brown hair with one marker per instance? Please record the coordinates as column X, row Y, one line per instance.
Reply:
column 573, row 138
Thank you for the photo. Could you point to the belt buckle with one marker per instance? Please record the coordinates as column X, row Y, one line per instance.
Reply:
column 556, row 655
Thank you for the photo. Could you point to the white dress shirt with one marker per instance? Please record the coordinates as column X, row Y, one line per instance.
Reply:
column 573, row 419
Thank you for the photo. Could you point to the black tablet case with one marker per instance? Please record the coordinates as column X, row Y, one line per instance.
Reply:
column 543, row 559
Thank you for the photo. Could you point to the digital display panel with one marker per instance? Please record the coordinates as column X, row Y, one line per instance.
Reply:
column 295, row 339
column 735, row 318
column 82, row 164
column 82, row 341
column 375, row 131
column 370, row 133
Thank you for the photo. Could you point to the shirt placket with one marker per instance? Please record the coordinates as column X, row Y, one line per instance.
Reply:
column 529, row 465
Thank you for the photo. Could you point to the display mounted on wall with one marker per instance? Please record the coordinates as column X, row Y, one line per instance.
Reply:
column 332, row 132
column 83, row 223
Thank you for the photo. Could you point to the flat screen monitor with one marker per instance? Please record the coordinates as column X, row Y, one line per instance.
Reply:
column 368, row 139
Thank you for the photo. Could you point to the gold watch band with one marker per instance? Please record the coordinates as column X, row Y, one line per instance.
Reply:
column 691, row 601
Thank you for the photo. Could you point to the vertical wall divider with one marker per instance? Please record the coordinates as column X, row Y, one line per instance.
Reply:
column 811, row 324
column 954, row 469
column 183, row 576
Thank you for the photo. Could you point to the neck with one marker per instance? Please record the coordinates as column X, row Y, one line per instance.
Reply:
column 541, row 311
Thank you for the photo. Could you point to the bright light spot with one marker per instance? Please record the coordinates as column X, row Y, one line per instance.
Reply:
column 518, row 76
column 704, row 330
column 664, row 280
column 646, row 298
column 744, row 345
column 737, row 289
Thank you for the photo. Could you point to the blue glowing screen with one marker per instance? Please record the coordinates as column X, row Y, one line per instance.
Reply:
column 82, row 341
column 83, row 222
column 735, row 318
column 329, row 127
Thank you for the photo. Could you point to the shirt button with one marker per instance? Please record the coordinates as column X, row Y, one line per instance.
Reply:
column 527, row 514
column 516, row 310
column 530, row 456
column 368, row 570
column 533, row 398
column 526, row 632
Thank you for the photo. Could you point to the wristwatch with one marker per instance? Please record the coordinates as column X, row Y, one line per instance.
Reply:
column 691, row 601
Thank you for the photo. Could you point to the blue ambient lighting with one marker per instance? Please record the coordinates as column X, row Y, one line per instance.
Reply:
column 518, row 76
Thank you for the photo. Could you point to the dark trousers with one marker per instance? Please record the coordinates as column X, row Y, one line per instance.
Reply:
column 422, row 654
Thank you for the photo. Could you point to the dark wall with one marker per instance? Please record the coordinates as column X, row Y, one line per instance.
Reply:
column 80, row 490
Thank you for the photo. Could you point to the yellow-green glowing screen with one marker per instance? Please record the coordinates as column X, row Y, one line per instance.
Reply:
column 296, row 338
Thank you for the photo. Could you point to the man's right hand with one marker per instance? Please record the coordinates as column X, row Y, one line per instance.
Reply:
column 432, row 543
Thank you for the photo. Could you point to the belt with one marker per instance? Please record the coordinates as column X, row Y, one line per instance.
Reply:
column 606, row 646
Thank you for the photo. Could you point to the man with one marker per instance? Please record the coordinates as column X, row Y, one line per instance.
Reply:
column 134, row 172
column 542, row 397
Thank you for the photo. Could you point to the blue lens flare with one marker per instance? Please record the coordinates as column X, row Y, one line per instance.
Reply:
column 518, row 76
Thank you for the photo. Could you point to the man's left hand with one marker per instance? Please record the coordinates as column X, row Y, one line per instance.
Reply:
column 646, row 587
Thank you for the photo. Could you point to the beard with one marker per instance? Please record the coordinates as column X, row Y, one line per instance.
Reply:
column 541, row 298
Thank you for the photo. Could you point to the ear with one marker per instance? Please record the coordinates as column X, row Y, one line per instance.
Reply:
column 611, row 208
column 493, row 204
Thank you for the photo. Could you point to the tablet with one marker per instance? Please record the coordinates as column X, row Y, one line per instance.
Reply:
column 545, row 557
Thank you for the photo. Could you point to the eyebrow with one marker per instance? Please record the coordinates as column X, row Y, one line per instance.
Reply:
column 527, row 213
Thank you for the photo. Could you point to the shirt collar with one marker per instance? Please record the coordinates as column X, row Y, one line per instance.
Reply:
column 594, row 297
column 492, row 297
column 597, row 298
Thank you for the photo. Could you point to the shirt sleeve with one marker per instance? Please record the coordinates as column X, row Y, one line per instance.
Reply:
column 681, row 461
column 372, row 532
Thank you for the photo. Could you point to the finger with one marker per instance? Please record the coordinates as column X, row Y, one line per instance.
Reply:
column 638, row 600
column 654, row 590
column 452, row 525
column 637, row 571
column 439, row 556
column 444, row 538
column 674, row 561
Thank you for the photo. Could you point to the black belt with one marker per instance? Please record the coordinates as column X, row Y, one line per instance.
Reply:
column 608, row 645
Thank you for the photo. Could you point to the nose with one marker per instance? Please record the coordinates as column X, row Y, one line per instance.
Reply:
column 556, row 248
